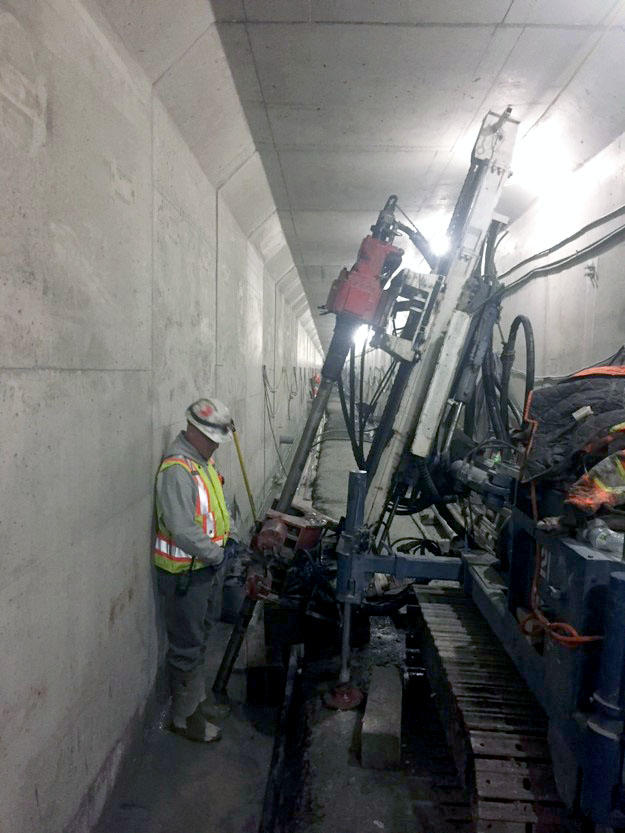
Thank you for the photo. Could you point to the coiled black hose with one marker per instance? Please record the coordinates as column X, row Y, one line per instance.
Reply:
column 507, row 360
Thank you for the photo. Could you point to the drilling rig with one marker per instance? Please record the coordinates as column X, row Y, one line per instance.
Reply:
column 525, row 637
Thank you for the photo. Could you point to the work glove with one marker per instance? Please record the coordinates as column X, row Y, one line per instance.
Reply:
column 236, row 551
column 231, row 549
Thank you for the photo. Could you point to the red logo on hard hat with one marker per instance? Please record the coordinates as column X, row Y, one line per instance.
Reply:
column 206, row 411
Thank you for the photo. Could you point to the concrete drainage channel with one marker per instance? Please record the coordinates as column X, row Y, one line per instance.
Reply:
column 281, row 801
column 367, row 769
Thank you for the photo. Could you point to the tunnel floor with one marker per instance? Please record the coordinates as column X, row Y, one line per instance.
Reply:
column 173, row 785
column 176, row 786
column 423, row 795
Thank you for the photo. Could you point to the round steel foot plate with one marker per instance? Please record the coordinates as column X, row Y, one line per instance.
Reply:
column 343, row 697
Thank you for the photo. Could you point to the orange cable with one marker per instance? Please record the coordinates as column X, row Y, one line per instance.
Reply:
column 561, row 632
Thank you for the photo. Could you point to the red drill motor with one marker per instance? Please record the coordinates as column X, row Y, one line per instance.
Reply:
column 358, row 291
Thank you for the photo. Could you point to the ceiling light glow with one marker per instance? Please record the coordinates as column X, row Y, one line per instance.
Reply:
column 439, row 244
column 361, row 335
column 433, row 227
column 542, row 161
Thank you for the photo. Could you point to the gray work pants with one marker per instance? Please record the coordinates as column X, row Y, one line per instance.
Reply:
column 188, row 617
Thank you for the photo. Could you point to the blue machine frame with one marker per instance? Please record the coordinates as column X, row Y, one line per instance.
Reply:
column 582, row 690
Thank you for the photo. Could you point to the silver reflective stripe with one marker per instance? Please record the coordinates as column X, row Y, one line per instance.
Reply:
column 203, row 496
column 169, row 550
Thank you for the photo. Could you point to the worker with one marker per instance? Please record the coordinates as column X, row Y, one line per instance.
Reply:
column 190, row 554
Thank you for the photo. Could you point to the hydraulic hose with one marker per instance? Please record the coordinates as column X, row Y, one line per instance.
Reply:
column 507, row 360
column 579, row 233
column 425, row 480
column 356, row 451
column 490, row 394
column 470, row 413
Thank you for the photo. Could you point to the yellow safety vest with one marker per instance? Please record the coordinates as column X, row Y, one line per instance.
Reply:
column 211, row 514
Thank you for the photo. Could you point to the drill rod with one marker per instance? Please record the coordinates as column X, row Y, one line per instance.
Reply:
column 330, row 372
column 234, row 646
column 332, row 367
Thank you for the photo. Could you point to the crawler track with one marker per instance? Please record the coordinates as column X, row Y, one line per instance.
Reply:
column 495, row 728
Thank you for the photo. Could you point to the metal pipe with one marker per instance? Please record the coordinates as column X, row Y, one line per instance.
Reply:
column 234, row 646
column 345, row 640
column 453, row 424
column 332, row 367
column 356, row 495
column 330, row 372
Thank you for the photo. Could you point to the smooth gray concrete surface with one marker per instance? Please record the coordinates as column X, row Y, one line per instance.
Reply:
column 129, row 288
column 179, row 47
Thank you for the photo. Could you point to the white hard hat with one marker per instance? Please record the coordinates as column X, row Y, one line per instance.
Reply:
column 212, row 418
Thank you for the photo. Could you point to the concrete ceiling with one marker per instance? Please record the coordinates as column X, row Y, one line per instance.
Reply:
column 351, row 100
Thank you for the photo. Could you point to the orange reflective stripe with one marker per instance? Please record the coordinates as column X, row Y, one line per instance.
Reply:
column 180, row 461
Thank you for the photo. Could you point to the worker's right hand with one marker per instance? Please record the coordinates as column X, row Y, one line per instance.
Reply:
column 231, row 549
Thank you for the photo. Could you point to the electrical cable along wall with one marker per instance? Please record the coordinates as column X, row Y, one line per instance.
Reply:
column 561, row 264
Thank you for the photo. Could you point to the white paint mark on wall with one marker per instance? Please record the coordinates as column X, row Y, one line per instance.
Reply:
column 23, row 97
column 122, row 185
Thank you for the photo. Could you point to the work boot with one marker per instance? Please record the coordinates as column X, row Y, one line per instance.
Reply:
column 197, row 728
column 188, row 689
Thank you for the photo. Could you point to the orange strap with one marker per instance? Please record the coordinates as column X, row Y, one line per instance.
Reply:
column 606, row 370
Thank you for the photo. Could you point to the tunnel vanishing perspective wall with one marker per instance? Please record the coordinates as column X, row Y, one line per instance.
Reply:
column 129, row 289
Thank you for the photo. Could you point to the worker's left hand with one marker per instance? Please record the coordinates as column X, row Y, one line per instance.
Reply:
column 231, row 549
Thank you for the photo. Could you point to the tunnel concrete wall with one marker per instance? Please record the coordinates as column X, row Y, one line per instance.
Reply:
column 578, row 315
column 130, row 286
